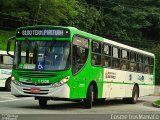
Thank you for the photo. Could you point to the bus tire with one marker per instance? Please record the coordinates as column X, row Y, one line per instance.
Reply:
column 42, row 102
column 8, row 84
column 135, row 94
column 89, row 97
column 134, row 98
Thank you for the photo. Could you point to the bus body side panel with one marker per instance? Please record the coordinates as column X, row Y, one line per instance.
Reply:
column 144, row 82
column 2, row 82
column 4, row 75
column 149, row 88
column 97, row 75
column 113, row 83
column 79, row 83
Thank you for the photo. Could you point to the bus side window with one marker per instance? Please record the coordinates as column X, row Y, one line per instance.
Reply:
column 147, row 68
column 116, row 58
column 132, row 65
column 139, row 63
column 96, row 53
column 96, row 47
column 124, row 60
column 151, row 65
column 106, row 57
column 96, row 59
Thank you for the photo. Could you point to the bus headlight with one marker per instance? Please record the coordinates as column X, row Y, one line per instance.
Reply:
column 12, row 78
column 62, row 82
column 17, row 82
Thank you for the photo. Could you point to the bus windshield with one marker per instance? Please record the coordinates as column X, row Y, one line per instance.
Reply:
column 42, row 55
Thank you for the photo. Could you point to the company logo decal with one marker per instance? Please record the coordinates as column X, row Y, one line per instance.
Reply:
column 110, row 75
column 130, row 77
column 141, row 77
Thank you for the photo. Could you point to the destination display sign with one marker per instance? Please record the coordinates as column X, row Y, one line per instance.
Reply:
column 43, row 32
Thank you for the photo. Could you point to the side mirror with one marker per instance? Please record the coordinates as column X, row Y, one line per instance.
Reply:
column 9, row 46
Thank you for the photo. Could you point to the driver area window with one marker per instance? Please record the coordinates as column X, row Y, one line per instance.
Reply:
column 80, row 53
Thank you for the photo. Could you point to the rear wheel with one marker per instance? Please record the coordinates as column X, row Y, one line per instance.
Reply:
column 135, row 93
column 42, row 102
column 8, row 84
column 89, row 98
column 134, row 98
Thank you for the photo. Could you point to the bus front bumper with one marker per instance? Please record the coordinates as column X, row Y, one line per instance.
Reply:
column 44, row 91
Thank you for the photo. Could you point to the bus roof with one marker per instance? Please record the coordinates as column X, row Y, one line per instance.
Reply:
column 91, row 36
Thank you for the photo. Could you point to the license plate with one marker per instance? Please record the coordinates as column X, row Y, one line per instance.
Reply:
column 35, row 90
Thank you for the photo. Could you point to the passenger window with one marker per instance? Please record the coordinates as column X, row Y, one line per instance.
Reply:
column 124, row 65
column 96, row 53
column 133, row 66
column 139, row 63
column 133, row 57
column 116, row 63
column 124, row 60
column 147, row 69
column 116, row 52
column 80, row 53
column 106, row 61
column 106, row 49
column 151, row 65
column 124, row 54
column 96, row 59
column 146, row 60
column 116, row 58
column 96, row 47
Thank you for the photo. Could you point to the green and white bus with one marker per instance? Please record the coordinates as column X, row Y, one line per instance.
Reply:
column 64, row 63
column 5, row 70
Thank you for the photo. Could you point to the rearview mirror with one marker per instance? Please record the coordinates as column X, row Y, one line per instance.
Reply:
column 9, row 46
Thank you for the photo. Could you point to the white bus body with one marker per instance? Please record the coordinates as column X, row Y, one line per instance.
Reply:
column 6, row 63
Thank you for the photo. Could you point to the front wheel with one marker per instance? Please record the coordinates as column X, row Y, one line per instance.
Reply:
column 42, row 102
column 89, row 97
column 8, row 84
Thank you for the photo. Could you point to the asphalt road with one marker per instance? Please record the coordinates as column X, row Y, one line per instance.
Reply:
column 27, row 105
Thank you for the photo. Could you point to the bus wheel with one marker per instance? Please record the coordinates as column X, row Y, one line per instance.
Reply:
column 89, row 98
column 42, row 102
column 8, row 84
column 134, row 98
column 135, row 93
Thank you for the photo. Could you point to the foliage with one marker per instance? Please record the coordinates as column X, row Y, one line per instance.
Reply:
column 4, row 35
column 55, row 12
column 88, row 18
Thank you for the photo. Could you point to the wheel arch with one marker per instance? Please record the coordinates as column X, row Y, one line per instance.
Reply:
column 95, row 88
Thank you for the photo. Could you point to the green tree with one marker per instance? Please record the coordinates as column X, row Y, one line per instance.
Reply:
column 55, row 12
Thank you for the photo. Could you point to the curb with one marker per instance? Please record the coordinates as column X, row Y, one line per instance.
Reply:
column 155, row 105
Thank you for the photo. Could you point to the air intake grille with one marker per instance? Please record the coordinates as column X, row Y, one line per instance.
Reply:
column 36, row 74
